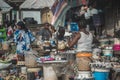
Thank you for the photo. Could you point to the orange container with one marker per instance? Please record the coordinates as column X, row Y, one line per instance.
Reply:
column 83, row 55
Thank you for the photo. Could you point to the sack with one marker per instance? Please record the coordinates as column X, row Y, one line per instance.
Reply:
column 5, row 46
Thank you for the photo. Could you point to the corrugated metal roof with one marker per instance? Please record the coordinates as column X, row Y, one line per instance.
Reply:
column 37, row 4
column 4, row 6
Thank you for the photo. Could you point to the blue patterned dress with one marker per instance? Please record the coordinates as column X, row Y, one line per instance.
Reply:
column 23, row 40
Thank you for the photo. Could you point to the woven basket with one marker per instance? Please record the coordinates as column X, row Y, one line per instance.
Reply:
column 83, row 63
column 30, row 60
column 83, row 60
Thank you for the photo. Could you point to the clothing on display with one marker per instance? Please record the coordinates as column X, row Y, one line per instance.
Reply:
column 96, row 20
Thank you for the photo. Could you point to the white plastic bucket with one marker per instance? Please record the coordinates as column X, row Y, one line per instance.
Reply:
column 23, row 70
column 84, row 75
column 108, row 52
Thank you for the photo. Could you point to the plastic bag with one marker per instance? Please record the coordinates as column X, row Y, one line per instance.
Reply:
column 4, row 65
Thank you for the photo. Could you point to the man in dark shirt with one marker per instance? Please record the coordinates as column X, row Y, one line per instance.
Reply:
column 45, row 32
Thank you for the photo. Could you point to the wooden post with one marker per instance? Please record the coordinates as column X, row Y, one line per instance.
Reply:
column 19, row 14
column 10, row 15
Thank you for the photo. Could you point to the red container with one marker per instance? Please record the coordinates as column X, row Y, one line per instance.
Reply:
column 116, row 47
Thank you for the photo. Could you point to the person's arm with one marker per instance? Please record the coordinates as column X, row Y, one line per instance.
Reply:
column 17, row 36
column 31, row 36
column 40, row 32
column 50, row 33
column 74, row 40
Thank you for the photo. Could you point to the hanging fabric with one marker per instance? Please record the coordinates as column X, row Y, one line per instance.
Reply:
column 96, row 20
column 84, row 2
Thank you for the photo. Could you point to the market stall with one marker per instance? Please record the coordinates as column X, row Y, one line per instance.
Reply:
column 37, row 9
column 52, row 58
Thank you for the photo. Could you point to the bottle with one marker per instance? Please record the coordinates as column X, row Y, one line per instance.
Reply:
column 53, row 43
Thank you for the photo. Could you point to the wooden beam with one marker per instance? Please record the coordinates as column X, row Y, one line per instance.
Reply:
column 16, row 1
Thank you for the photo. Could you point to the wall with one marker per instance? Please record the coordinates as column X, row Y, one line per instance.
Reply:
column 17, row 15
column 109, row 21
column 112, row 20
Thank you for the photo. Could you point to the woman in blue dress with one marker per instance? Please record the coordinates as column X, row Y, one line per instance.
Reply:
column 23, row 38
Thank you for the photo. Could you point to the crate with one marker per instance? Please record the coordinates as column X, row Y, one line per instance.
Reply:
column 21, row 63
column 33, row 69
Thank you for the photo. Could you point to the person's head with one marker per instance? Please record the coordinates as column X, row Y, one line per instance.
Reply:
column 46, row 25
column 82, row 24
column 61, row 31
column 21, row 26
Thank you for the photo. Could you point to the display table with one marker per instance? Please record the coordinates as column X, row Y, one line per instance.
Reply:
column 91, row 78
column 69, row 54
column 50, row 68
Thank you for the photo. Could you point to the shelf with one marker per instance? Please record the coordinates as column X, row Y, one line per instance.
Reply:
column 60, row 61
column 68, row 52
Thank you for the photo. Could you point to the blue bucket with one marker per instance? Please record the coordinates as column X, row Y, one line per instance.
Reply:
column 103, row 75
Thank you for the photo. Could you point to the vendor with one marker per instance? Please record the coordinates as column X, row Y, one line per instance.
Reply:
column 61, row 33
column 23, row 38
column 83, row 39
column 45, row 32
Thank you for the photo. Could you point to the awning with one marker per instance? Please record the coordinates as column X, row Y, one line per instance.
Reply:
column 4, row 6
column 37, row 4
column 59, row 10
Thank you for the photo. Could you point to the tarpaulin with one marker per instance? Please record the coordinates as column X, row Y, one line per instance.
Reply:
column 59, row 8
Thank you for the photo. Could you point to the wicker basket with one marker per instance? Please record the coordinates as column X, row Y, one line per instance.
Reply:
column 83, row 61
column 20, row 63
column 30, row 60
